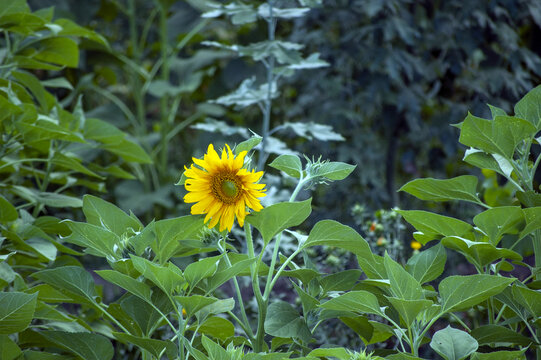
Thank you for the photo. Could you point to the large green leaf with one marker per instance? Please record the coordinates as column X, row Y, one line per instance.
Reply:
column 530, row 299
column 491, row 334
column 500, row 355
column 13, row 6
column 284, row 321
column 453, row 344
column 278, row 217
column 61, row 51
column 88, row 346
column 153, row 346
column 166, row 278
column 483, row 160
column 529, row 107
column 16, row 312
column 434, row 226
column 427, row 265
column 290, row 164
column 104, row 214
column 370, row 332
column 126, row 282
column 499, row 221
column 8, row 348
column 532, row 215
column 463, row 292
column 194, row 303
column 226, row 272
column 7, row 211
column 409, row 309
column 332, row 233
column 217, row 327
column 360, row 301
column 479, row 253
column 458, row 188
column 171, row 232
column 96, row 239
column 75, row 280
column 146, row 314
column 403, row 285
column 498, row 136
column 201, row 269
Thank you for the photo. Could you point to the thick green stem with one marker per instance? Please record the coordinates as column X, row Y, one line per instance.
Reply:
column 240, row 301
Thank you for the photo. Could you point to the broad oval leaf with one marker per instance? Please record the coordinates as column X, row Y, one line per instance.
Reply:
column 16, row 312
column 88, row 346
column 458, row 188
column 78, row 283
column 284, row 321
column 427, row 265
column 278, row 217
column 290, row 164
column 463, row 292
column 434, row 226
column 453, row 344
column 498, row 221
column 360, row 301
column 153, row 346
column 333, row 233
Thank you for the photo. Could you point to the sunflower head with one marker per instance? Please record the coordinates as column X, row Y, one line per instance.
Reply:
column 221, row 188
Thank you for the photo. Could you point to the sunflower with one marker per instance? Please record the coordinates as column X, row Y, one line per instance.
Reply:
column 221, row 188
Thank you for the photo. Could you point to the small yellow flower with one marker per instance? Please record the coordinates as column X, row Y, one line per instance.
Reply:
column 415, row 245
column 184, row 313
column 221, row 188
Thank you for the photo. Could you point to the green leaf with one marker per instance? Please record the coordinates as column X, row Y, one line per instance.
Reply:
column 332, row 233
column 498, row 136
column 126, row 282
column 403, row 285
column 98, row 241
column 166, row 278
column 338, row 352
column 248, row 145
column 532, row 215
column 74, row 164
column 13, row 6
column 46, row 198
column 529, row 107
column 463, row 292
column 171, row 233
column 499, row 355
column 8, row 348
column 104, row 214
column 128, row 150
column 427, row 265
column 226, row 272
column 453, row 344
column 496, row 334
column 7, row 211
column 153, row 346
column 147, row 313
column 335, row 170
column 201, row 269
column 217, row 327
column 69, row 28
column 479, row 253
column 409, row 309
column 500, row 220
column 483, row 160
column 284, row 321
column 530, row 299
column 360, row 301
column 61, row 51
column 194, row 303
column 16, row 312
column 434, row 226
column 290, row 164
column 88, row 346
column 340, row 281
column 75, row 280
column 370, row 332
column 278, row 217
column 458, row 188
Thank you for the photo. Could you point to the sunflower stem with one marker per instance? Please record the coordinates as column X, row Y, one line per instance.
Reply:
column 247, row 326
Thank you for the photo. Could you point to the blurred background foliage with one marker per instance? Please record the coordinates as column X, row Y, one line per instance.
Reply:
column 400, row 73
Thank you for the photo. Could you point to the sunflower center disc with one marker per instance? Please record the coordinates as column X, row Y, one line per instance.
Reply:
column 229, row 188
